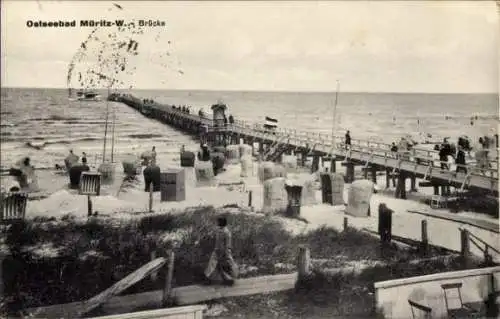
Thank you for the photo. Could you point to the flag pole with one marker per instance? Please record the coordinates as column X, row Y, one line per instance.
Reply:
column 334, row 119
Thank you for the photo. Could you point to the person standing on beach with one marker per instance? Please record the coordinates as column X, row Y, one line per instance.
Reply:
column 221, row 261
column 347, row 140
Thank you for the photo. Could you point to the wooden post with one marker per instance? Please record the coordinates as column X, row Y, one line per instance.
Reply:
column 374, row 174
column 349, row 172
column 89, row 206
column 154, row 274
column 425, row 238
column 465, row 249
column 249, row 198
column 315, row 164
column 150, row 197
column 167, row 289
column 345, row 223
column 436, row 189
column 443, row 190
column 303, row 262
column 401, row 186
column 388, row 172
column 303, row 158
column 3, row 256
column 413, row 180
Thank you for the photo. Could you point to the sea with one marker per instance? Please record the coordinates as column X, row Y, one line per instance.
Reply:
column 45, row 124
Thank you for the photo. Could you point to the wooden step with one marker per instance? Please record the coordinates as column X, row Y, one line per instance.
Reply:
column 251, row 286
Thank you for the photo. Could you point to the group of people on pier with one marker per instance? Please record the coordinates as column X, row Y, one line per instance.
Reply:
column 182, row 108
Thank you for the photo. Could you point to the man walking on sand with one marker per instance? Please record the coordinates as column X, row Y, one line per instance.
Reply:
column 221, row 261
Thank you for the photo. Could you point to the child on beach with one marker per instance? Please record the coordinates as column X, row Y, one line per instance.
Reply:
column 221, row 261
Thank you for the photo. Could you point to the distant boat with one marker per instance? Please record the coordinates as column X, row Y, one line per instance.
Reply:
column 88, row 96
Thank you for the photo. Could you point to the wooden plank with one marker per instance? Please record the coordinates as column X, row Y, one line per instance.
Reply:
column 188, row 294
column 159, row 313
column 479, row 223
column 123, row 284
column 82, row 308
column 244, row 287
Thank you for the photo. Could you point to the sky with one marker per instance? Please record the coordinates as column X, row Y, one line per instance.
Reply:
column 375, row 46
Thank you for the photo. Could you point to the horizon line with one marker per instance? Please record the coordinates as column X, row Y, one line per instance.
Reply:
column 254, row 90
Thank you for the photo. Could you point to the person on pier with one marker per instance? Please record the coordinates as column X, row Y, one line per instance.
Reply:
column 347, row 140
column 444, row 152
column 231, row 119
column 221, row 263
column 153, row 156
column 460, row 160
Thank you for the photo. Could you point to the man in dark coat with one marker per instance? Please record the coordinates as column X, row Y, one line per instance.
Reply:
column 460, row 160
column 347, row 140
column 221, row 263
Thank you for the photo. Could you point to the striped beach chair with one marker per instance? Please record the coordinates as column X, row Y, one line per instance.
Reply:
column 13, row 206
column 90, row 184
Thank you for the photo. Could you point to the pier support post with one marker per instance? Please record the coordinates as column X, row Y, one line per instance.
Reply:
column 303, row 158
column 349, row 171
column 315, row 164
column 250, row 142
column 373, row 171
column 401, row 186
column 436, row 189
column 413, row 179
column 443, row 190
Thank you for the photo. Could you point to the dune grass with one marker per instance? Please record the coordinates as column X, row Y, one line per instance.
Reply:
column 59, row 261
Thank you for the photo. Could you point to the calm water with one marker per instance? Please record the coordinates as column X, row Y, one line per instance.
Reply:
column 45, row 117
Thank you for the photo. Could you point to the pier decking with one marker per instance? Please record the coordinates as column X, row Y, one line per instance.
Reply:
column 374, row 156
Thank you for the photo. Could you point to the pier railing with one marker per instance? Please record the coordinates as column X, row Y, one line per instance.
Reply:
column 423, row 162
column 418, row 161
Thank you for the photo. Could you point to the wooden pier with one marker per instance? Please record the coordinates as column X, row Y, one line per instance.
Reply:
column 373, row 156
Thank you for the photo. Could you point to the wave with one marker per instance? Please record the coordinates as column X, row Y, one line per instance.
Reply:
column 144, row 136
column 41, row 145
column 55, row 118
column 85, row 122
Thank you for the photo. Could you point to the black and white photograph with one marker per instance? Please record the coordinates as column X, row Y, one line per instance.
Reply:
column 249, row 159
